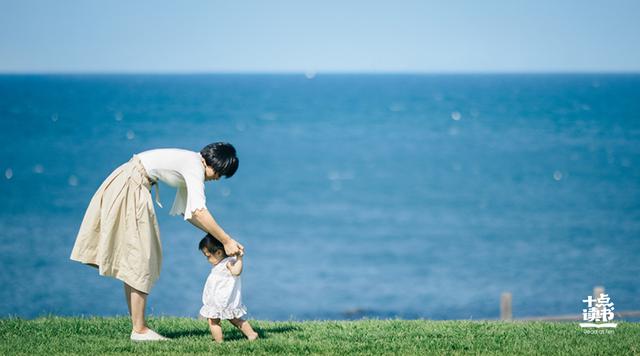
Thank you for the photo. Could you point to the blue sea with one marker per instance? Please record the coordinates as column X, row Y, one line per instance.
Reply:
column 377, row 196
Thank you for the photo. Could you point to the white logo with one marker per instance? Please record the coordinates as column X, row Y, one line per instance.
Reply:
column 599, row 311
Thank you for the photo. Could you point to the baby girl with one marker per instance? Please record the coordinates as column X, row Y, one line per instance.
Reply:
column 222, row 297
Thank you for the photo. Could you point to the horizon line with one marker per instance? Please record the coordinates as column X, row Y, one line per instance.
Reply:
column 311, row 74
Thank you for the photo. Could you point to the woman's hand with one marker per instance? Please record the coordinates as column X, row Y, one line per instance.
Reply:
column 233, row 248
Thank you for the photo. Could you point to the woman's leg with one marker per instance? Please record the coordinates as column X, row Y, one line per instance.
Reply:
column 245, row 327
column 127, row 296
column 137, row 302
column 216, row 329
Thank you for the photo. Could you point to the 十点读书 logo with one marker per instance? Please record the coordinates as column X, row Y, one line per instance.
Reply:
column 599, row 313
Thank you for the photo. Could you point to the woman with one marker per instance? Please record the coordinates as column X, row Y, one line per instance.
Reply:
column 119, row 233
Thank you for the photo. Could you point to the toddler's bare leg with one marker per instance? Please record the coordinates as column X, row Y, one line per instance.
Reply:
column 216, row 329
column 245, row 327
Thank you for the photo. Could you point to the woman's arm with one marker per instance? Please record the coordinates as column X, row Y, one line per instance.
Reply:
column 195, row 223
column 235, row 267
column 203, row 220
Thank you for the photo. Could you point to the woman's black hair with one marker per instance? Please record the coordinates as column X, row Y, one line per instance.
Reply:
column 221, row 156
column 211, row 243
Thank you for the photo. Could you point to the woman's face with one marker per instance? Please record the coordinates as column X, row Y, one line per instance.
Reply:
column 209, row 173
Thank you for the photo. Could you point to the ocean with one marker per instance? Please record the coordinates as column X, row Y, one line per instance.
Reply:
column 375, row 196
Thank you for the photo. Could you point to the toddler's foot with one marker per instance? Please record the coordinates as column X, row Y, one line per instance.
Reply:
column 252, row 337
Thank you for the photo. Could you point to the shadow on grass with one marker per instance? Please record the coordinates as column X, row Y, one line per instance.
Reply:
column 235, row 334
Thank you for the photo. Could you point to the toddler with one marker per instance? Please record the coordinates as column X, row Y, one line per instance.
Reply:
column 221, row 297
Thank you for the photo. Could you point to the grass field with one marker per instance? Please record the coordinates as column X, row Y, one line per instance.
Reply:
column 99, row 336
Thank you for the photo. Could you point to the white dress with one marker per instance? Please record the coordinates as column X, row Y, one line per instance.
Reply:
column 222, row 296
column 181, row 169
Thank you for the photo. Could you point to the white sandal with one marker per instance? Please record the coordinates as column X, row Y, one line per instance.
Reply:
column 150, row 335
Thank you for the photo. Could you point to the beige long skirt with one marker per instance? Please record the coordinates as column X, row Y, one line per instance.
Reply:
column 119, row 233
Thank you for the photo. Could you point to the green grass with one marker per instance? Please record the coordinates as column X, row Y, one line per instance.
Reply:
column 98, row 336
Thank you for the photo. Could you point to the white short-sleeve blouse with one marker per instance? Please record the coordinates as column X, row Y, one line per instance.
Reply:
column 181, row 169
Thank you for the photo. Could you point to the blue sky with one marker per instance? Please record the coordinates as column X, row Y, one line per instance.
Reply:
column 323, row 36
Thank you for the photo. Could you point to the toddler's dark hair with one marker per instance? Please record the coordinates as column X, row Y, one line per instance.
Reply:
column 211, row 243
